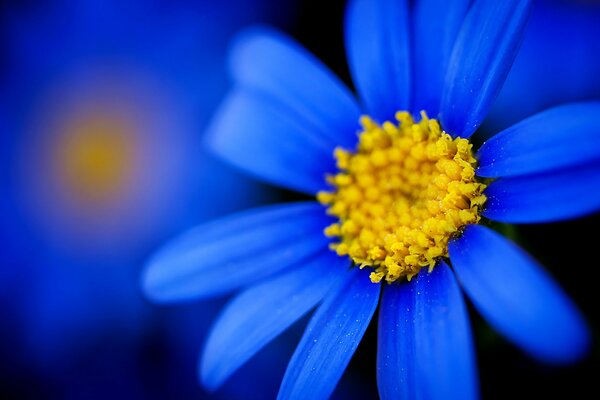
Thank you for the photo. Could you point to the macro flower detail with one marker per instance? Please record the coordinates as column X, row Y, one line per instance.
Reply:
column 399, row 199
column 410, row 202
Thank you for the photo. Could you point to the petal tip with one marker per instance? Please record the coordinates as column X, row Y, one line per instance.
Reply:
column 244, row 42
column 150, row 281
column 572, row 344
column 207, row 375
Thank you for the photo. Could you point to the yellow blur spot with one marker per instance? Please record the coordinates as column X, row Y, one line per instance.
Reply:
column 401, row 196
column 95, row 157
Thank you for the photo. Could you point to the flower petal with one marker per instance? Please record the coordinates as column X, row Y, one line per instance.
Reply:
column 291, row 109
column 228, row 253
column 436, row 26
column 552, row 196
column 516, row 296
column 377, row 47
column 483, row 54
column 263, row 139
column 330, row 339
column 396, row 358
column 425, row 348
column 543, row 77
column 274, row 65
column 257, row 315
column 556, row 138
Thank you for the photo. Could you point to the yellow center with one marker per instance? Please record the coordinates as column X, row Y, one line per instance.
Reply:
column 401, row 196
column 94, row 157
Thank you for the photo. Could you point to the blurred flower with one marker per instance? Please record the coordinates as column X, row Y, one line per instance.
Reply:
column 406, row 196
column 103, row 109
column 558, row 62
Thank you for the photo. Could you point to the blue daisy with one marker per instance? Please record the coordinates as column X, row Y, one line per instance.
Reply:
column 403, row 204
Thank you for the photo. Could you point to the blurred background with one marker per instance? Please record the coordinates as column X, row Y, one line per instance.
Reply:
column 102, row 111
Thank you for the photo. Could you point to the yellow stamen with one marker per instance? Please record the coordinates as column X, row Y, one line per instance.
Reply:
column 401, row 196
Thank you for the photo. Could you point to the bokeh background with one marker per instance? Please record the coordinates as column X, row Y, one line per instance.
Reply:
column 102, row 111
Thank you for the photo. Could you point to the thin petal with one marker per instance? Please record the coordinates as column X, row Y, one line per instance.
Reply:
column 425, row 347
column 396, row 358
column 287, row 115
column 261, row 138
column 557, row 138
column 436, row 26
column 225, row 254
column 257, row 315
column 377, row 46
column 552, row 196
column 516, row 296
column 268, row 62
column 484, row 52
column 330, row 339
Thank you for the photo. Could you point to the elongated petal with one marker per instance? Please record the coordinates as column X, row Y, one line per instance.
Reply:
column 516, row 296
column 257, row 315
column 553, row 196
column 377, row 46
column 444, row 345
column 436, row 26
column 263, row 139
column 484, row 52
column 557, row 138
column 225, row 254
column 330, row 339
column 425, row 347
column 270, row 63
column 287, row 115
column 396, row 349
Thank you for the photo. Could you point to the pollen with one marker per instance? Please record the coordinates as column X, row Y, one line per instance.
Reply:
column 401, row 195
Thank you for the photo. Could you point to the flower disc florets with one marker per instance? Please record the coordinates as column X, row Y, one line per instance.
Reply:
column 401, row 196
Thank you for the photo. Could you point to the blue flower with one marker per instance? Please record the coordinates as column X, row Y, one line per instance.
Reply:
column 402, row 197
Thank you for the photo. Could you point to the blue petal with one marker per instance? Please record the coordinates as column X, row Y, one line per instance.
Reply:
column 436, row 26
column 516, row 296
column 553, row 196
column 560, row 137
column 270, row 63
column 543, row 76
column 396, row 358
column 289, row 114
column 425, row 348
column 482, row 56
column 263, row 139
column 377, row 46
column 256, row 316
column 225, row 254
column 330, row 339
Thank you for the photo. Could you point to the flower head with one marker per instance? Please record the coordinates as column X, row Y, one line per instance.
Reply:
column 401, row 197
column 403, row 200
